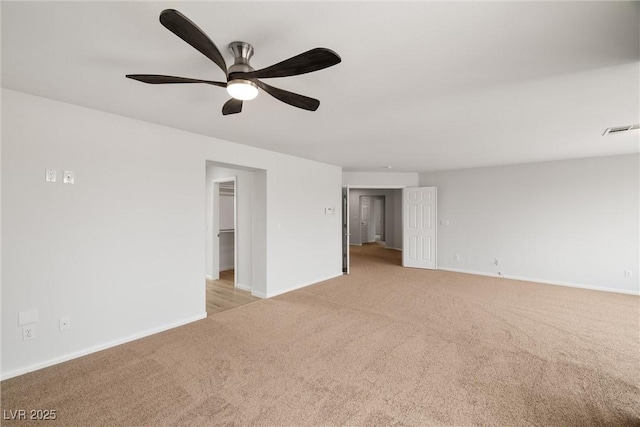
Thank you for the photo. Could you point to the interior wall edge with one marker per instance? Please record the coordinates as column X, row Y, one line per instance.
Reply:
column 243, row 287
column 293, row 288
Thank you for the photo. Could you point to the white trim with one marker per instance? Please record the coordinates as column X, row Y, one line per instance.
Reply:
column 293, row 288
column 546, row 282
column 100, row 347
column 209, row 277
column 375, row 187
column 395, row 249
column 258, row 294
column 243, row 287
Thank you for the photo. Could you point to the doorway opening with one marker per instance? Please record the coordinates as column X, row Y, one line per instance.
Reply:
column 371, row 216
column 235, row 236
column 391, row 217
column 372, row 219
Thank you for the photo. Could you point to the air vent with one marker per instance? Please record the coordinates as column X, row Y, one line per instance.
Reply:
column 620, row 129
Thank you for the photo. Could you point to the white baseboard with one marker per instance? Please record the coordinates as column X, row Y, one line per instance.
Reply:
column 100, row 347
column 243, row 287
column 546, row 282
column 395, row 249
column 209, row 277
column 293, row 288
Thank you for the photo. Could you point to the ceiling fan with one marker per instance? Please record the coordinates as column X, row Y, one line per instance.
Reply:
column 242, row 79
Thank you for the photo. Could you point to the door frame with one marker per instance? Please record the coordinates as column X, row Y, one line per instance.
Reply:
column 215, row 226
column 346, row 232
column 346, row 192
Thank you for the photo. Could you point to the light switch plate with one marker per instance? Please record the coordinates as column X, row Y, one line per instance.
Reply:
column 50, row 175
column 68, row 178
column 27, row 316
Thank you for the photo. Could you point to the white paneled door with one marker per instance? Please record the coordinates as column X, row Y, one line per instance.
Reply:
column 365, row 218
column 419, row 227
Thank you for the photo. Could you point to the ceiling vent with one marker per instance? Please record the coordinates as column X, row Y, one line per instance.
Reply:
column 620, row 129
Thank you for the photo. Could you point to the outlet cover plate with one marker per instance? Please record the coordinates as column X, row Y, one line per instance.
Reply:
column 69, row 177
column 28, row 332
column 50, row 175
column 65, row 323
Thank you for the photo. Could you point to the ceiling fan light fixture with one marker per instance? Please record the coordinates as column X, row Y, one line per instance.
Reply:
column 243, row 90
column 244, row 83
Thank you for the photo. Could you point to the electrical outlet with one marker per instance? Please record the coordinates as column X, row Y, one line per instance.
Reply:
column 65, row 323
column 627, row 274
column 68, row 177
column 500, row 273
column 497, row 261
column 50, row 175
column 28, row 332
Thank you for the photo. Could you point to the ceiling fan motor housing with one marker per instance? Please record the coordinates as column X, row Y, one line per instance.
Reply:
column 242, row 53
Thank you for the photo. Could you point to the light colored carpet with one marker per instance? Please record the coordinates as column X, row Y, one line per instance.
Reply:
column 384, row 346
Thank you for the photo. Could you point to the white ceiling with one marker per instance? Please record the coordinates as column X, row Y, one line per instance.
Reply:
column 422, row 85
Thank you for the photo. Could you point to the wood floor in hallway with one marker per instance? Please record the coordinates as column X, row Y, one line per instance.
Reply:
column 222, row 295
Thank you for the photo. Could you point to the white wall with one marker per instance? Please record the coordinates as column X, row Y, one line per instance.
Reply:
column 296, row 200
column 122, row 252
column 566, row 222
column 393, row 215
column 380, row 179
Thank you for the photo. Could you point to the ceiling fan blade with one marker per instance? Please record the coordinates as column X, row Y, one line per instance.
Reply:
column 232, row 106
column 312, row 60
column 156, row 79
column 182, row 27
column 290, row 98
